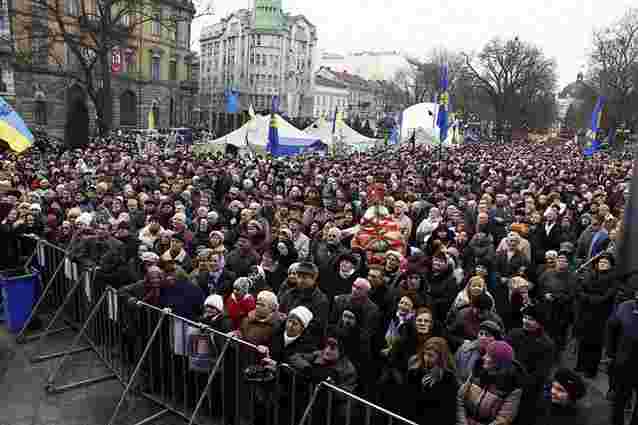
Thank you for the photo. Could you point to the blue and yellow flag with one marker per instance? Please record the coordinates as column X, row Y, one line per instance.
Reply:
column 273, row 132
column 593, row 144
column 13, row 130
column 444, row 104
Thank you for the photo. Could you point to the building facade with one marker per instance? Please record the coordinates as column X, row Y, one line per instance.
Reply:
column 328, row 95
column 259, row 53
column 151, row 69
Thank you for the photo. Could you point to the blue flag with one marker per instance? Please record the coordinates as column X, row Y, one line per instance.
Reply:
column 273, row 132
column 232, row 101
column 593, row 144
column 444, row 103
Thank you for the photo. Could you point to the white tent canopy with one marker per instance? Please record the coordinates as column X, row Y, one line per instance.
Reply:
column 322, row 129
column 256, row 131
column 421, row 118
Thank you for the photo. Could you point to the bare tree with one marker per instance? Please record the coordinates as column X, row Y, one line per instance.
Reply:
column 514, row 75
column 613, row 67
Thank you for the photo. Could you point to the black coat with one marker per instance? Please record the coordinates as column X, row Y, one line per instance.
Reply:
column 313, row 299
column 306, row 343
column 426, row 404
column 594, row 302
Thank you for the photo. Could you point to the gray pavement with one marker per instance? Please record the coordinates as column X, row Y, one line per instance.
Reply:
column 23, row 400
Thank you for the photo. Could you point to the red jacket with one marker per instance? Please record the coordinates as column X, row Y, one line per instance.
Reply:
column 238, row 309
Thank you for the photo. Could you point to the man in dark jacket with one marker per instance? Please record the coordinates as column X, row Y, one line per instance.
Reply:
column 535, row 351
column 369, row 316
column 309, row 295
column 622, row 348
column 441, row 286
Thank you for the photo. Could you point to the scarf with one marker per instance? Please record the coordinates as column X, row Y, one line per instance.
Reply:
column 289, row 339
column 178, row 259
column 431, row 377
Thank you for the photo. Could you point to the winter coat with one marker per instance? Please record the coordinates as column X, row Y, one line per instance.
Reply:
column 343, row 373
column 280, row 352
column 223, row 285
column 465, row 325
column 491, row 397
column 237, row 309
column 368, row 315
column 442, row 288
column 424, row 404
column 622, row 339
column 315, row 300
column 258, row 332
column 480, row 250
column 594, row 301
column 534, row 352
column 467, row 357
column 593, row 409
column 240, row 262
column 184, row 299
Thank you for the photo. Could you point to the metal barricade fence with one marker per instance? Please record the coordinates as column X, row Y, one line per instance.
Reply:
column 64, row 298
column 186, row 368
column 197, row 373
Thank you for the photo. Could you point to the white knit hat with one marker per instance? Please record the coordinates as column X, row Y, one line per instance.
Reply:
column 303, row 314
column 215, row 301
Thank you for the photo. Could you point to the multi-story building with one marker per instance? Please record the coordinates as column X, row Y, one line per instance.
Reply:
column 259, row 53
column 7, row 86
column 371, row 65
column 328, row 95
column 151, row 69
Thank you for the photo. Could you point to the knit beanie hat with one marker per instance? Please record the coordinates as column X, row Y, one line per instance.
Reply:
column 215, row 301
column 303, row 314
column 242, row 284
column 502, row 354
column 492, row 328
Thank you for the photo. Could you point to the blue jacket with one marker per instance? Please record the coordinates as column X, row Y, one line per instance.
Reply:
column 184, row 299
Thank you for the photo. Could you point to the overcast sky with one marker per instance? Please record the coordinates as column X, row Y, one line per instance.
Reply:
column 562, row 28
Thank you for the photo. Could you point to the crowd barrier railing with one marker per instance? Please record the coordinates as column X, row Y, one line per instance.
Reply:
column 185, row 368
column 155, row 354
column 60, row 305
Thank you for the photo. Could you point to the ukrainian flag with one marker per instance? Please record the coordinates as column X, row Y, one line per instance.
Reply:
column 273, row 132
column 593, row 144
column 444, row 104
column 151, row 120
column 13, row 130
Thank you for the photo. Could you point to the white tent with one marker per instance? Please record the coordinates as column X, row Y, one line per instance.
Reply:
column 254, row 134
column 421, row 118
column 347, row 135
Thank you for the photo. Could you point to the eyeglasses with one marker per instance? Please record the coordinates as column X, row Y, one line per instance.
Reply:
column 484, row 334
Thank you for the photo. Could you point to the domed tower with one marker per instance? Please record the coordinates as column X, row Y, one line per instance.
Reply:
column 268, row 15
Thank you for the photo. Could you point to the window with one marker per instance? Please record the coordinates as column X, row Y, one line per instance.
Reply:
column 157, row 23
column 189, row 71
column 155, row 68
column 172, row 70
column 40, row 112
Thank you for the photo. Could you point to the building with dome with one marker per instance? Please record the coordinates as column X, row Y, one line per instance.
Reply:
column 260, row 53
column 575, row 96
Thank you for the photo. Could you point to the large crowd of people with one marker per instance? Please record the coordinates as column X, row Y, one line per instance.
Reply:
column 504, row 255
